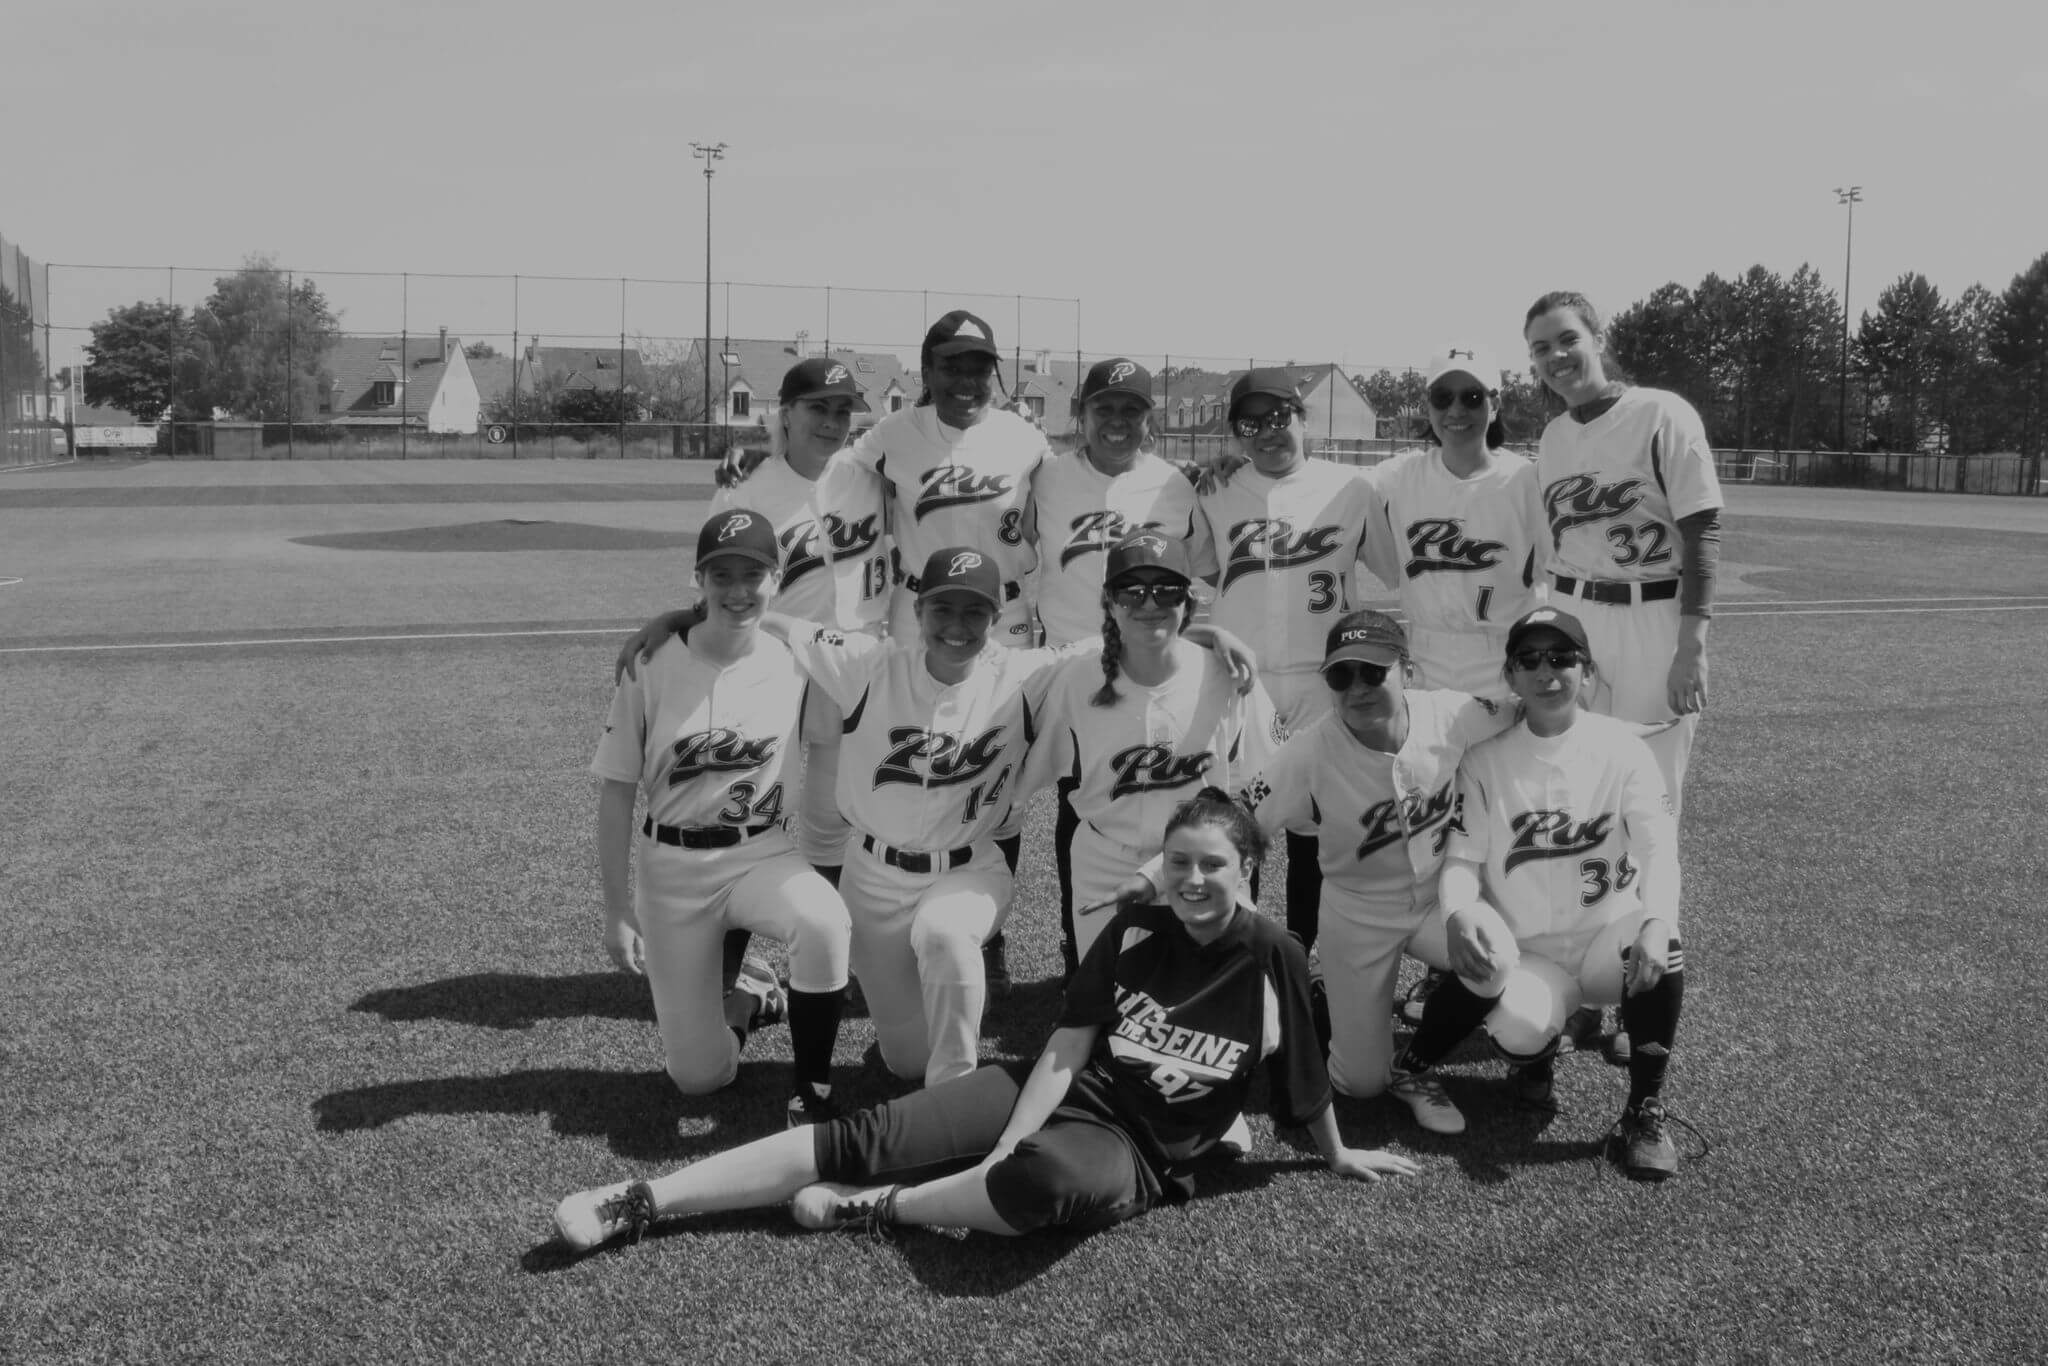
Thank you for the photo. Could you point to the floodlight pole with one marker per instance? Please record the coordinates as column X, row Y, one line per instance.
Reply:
column 1850, row 197
column 709, row 154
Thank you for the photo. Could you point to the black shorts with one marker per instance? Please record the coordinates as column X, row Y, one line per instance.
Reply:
column 1076, row 1172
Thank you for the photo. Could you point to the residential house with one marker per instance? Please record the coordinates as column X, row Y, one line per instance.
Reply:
column 1046, row 388
column 422, row 383
column 746, row 380
column 605, row 369
column 1198, row 402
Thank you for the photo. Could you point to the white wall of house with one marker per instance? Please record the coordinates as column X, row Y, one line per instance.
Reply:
column 457, row 406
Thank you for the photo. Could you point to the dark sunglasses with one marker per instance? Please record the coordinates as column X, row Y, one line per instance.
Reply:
column 1275, row 421
column 1131, row 596
column 1556, row 659
column 1472, row 399
column 1344, row 672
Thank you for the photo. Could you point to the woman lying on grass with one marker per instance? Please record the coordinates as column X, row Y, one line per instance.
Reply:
column 1172, row 1011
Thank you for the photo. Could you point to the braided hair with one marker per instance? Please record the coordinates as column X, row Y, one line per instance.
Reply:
column 1112, row 659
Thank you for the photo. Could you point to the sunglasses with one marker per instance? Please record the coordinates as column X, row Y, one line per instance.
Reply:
column 1343, row 673
column 1131, row 596
column 1275, row 421
column 1556, row 659
column 1472, row 399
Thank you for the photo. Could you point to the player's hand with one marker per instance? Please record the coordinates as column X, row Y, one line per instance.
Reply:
column 1649, row 958
column 1686, row 687
column 1216, row 474
column 622, row 942
column 1135, row 890
column 1237, row 657
column 641, row 645
column 1469, row 946
column 737, row 465
column 1370, row 1164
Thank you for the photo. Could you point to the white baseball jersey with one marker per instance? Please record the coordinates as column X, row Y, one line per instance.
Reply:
column 1464, row 554
column 1381, row 819
column 835, row 567
column 1152, row 748
column 1282, row 553
column 1615, row 488
column 1563, row 826
column 950, row 486
column 707, row 745
column 1081, row 512
column 924, row 765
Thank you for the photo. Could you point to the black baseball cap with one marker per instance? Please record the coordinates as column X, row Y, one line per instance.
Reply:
column 1369, row 637
column 1272, row 383
column 1117, row 375
column 961, row 569
column 1547, row 621
column 1147, row 548
column 959, row 333
column 821, row 377
column 739, row 532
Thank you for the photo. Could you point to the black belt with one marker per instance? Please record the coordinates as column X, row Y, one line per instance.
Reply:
column 909, row 862
column 1011, row 589
column 701, row 836
column 1617, row 594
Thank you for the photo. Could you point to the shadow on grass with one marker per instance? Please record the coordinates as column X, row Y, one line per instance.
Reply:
column 639, row 1115
column 512, row 1000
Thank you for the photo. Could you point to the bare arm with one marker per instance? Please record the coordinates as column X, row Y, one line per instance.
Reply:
column 614, row 860
column 1066, row 1053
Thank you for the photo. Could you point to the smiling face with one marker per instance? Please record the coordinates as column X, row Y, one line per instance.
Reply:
column 736, row 590
column 1113, row 425
column 1566, row 354
column 1203, row 872
column 1275, row 447
column 817, row 427
column 1460, row 427
column 955, row 625
column 1148, row 624
column 1548, row 674
column 962, row 387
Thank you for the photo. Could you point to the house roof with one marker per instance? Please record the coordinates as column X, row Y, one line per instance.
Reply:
column 588, row 367
column 1200, row 387
column 494, row 374
column 356, row 364
column 762, row 364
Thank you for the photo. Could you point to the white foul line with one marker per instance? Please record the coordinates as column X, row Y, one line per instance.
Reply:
column 314, row 640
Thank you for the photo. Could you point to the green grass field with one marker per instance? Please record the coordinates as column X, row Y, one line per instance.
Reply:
column 307, row 1024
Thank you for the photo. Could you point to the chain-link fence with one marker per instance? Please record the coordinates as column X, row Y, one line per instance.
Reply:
column 30, row 425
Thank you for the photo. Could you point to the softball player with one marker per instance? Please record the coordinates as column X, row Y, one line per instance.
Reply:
column 1155, row 715
column 828, row 517
column 1285, row 533
column 704, row 732
column 1171, row 1015
column 957, row 471
column 1458, row 531
column 1561, row 886
column 1634, row 507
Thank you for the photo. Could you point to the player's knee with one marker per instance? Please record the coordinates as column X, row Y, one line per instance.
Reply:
column 1040, row 1185
column 693, row 1077
column 1536, row 999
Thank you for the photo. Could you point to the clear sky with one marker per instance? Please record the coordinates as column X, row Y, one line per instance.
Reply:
column 1308, row 181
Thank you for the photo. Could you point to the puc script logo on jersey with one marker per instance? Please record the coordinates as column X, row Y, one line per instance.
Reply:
column 1155, row 768
column 722, row 750
column 1436, row 545
column 945, row 760
column 849, row 537
column 1578, row 499
column 1554, row 834
column 1093, row 532
column 1263, row 543
column 1418, row 813
column 734, row 525
column 955, row 485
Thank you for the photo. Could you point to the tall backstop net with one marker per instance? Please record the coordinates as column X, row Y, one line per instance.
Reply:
column 28, row 436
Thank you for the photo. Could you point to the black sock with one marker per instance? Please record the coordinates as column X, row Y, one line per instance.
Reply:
column 1651, row 1019
column 1453, row 1011
column 828, row 871
column 1065, row 826
column 1304, row 887
column 813, row 1029
column 736, row 942
column 1012, row 847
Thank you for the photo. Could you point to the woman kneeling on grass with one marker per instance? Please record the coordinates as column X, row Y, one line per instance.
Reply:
column 1171, row 1013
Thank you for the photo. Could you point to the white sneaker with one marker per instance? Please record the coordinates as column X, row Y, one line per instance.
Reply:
column 1237, row 1139
column 1423, row 1092
column 591, row 1217
column 826, row 1205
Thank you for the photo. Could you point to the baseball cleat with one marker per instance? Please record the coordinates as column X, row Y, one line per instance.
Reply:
column 828, row 1205
column 812, row 1105
column 1641, row 1142
column 1418, row 997
column 1616, row 1048
column 1423, row 1093
column 758, row 980
column 1534, row 1083
column 589, row 1218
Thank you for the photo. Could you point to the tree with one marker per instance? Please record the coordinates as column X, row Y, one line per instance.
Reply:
column 2018, row 341
column 480, row 350
column 593, row 406
column 1901, row 345
column 674, row 375
column 263, row 336
column 1398, row 402
column 144, row 359
column 21, row 365
column 1526, row 407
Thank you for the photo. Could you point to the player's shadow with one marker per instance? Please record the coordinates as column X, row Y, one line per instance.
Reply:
column 1017, row 1021
column 514, row 1000
column 640, row 1115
